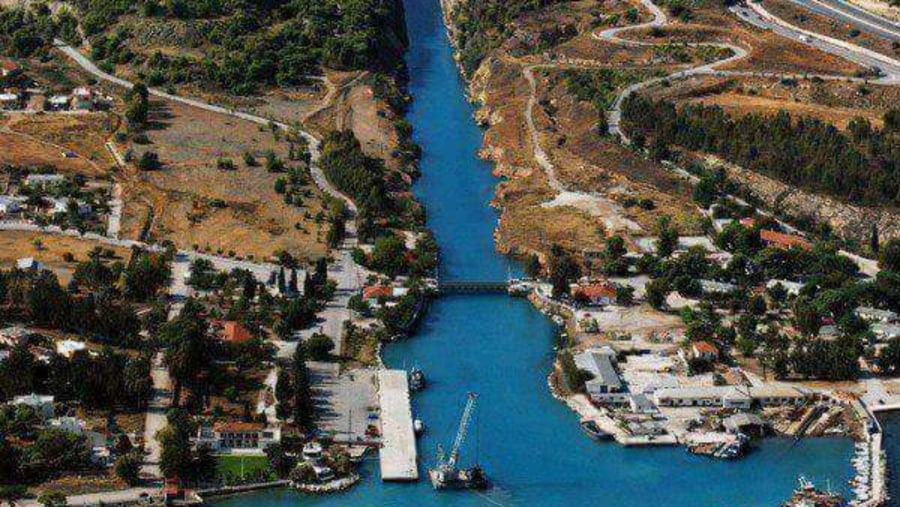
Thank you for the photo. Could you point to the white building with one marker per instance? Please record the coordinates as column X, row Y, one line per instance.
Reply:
column 230, row 436
column 9, row 101
column 68, row 348
column 42, row 180
column 9, row 205
column 42, row 404
column 885, row 331
column 29, row 263
column 58, row 103
column 599, row 363
column 870, row 314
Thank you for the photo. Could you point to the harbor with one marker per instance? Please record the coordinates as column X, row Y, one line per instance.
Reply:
column 397, row 456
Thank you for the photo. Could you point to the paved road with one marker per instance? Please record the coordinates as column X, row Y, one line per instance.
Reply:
column 849, row 13
column 758, row 16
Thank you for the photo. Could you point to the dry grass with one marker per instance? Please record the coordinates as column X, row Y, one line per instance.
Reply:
column 736, row 103
column 15, row 245
column 251, row 219
column 85, row 134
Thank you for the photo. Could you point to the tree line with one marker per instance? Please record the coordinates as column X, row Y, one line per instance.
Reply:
column 860, row 166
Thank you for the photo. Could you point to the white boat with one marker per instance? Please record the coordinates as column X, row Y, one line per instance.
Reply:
column 418, row 426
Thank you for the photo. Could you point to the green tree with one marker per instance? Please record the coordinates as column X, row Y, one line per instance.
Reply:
column 889, row 258
column 667, row 236
column 563, row 270
column 128, row 467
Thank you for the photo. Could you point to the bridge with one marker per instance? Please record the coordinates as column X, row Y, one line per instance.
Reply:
column 473, row 287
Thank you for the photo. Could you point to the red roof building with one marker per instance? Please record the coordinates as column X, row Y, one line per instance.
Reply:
column 374, row 292
column 234, row 332
column 598, row 293
column 782, row 240
column 705, row 350
column 8, row 67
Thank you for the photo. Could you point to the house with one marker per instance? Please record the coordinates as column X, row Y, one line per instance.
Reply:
column 791, row 288
column 769, row 395
column 227, row 436
column 9, row 101
column 374, row 293
column 710, row 396
column 704, row 351
column 641, row 404
column 599, row 363
column 43, row 180
column 714, row 287
column 9, row 205
column 870, row 314
column 595, row 293
column 68, row 424
column 58, row 103
column 8, row 68
column 42, row 404
column 782, row 240
column 83, row 99
column 29, row 264
column 235, row 332
column 68, row 348
column 62, row 206
column 885, row 331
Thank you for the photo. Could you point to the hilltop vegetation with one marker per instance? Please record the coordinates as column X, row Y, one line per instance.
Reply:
column 860, row 166
column 238, row 46
column 481, row 26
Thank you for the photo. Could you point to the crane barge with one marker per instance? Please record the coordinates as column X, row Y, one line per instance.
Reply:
column 446, row 475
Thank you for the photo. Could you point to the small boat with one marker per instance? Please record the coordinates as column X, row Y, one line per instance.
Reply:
column 418, row 426
column 416, row 379
column 591, row 429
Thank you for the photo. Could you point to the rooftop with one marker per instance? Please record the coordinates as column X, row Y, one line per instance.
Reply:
column 599, row 364
column 784, row 240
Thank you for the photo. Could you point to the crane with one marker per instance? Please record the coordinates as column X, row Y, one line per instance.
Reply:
column 446, row 474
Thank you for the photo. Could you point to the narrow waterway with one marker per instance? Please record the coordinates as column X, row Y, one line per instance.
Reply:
column 529, row 443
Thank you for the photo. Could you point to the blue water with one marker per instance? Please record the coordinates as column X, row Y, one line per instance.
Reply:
column 529, row 443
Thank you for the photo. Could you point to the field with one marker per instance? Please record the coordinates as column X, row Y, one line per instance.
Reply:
column 194, row 203
column 237, row 465
column 15, row 245
column 37, row 140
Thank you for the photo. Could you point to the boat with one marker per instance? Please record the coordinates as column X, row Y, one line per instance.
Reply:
column 418, row 426
column 446, row 475
column 591, row 429
column 416, row 379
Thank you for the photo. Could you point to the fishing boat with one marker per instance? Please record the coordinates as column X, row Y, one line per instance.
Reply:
column 416, row 379
column 447, row 475
column 593, row 431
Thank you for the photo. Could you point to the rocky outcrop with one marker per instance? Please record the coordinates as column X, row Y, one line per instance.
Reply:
column 849, row 221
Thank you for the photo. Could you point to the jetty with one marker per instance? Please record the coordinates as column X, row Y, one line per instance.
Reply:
column 398, row 450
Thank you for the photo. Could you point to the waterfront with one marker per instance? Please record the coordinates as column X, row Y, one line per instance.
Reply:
column 529, row 443
column 890, row 422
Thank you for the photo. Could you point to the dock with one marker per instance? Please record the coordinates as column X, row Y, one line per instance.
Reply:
column 398, row 451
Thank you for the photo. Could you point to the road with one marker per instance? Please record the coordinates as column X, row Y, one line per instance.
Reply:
column 155, row 418
column 849, row 13
column 758, row 16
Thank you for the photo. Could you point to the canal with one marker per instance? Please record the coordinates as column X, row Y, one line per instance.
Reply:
column 529, row 443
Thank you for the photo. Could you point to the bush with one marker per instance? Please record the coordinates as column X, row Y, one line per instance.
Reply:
column 319, row 347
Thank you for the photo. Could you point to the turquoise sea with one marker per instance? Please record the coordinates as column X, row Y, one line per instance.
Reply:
column 529, row 443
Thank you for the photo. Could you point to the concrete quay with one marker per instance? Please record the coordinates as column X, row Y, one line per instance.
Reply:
column 398, row 451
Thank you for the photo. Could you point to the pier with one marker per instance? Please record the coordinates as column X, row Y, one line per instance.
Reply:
column 398, row 451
